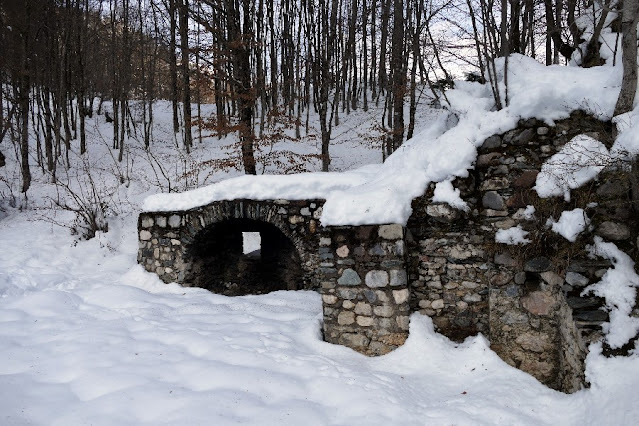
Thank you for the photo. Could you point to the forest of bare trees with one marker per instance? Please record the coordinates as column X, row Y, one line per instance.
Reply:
column 264, row 60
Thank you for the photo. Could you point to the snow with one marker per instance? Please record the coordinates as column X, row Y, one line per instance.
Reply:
column 383, row 193
column 571, row 223
column 618, row 288
column 446, row 193
column 578, row 162
column 512, row 236
column 88, row 337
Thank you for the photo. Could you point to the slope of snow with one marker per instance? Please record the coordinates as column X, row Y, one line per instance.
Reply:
column 88, row 337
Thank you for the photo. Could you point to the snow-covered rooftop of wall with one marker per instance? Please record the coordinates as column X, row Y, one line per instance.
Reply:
column 383, row 193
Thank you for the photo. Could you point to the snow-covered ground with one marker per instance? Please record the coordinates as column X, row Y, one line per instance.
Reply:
column 88, row 338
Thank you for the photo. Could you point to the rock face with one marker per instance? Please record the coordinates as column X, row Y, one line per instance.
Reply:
column 444, row 263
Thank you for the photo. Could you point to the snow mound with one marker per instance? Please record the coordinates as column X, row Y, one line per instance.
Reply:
column 571, row 223
column 512, row 236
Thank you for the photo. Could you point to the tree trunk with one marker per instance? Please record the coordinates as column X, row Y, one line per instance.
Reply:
column 629, row 57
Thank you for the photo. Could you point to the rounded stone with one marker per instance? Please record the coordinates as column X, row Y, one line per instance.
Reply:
column 342, row 251
column 376, row 278
column 175, row 221
column 346, row 318
column 492, row 200
column 145, row 235
column 613, row 231
column 400, row 296
column 437, row 304
column 147, row 222
column 349, row 277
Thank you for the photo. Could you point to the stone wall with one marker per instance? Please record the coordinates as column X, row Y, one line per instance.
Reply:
column 169, row 240
column 364, row 287
column 445, row 263
column 526, row 299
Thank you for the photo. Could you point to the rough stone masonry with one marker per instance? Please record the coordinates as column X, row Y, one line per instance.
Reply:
column 527, row 300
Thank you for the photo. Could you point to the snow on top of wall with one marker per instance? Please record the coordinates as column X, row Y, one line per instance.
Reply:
column 383, row 193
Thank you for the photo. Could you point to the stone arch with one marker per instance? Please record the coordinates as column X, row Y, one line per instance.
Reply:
column 213, row 256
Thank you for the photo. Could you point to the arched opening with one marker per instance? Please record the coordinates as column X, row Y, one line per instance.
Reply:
column 241, row 256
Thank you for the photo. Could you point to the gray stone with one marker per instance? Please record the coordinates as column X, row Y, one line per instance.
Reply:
column 613, row 231
column 318, row 213
column 353, row 340
column 552, row 279
column 324, row 241
column 377, row 250
column 364, row 321
column 305, row 211
column 505, row 259
column 612, row 190
column 524, row 137
column 385, row 311
column 160, row 221
column 576, row 279
column 542, row 131
column 347, row 293
column 486, row 160
column 346, row 318
column 376, row 279
column 391, row 232
column 514, row 317
column 534, row 342
column 370, row 296
column 442, row 212
column 492, row 142
column 294, row 220
column 342, row 251
column 403, row 322
column 398, row 277
column 362, row 308
column 147, row 222
column 538, row 264
column 472, row 298
column 145, row 235
column 349, row 277
column 400, row 296
column 175, row 221
column 329, row 299
column 437, row 304
column 520, row 278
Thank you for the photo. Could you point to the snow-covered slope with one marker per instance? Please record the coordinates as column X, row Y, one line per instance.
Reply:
column 87, row 337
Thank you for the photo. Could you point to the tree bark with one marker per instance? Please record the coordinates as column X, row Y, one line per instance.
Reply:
column 629, row 20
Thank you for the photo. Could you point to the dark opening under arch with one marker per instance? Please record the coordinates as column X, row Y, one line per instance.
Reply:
column 218, row 262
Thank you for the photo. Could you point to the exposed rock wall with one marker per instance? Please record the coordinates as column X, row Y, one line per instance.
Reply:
column 364, row 287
